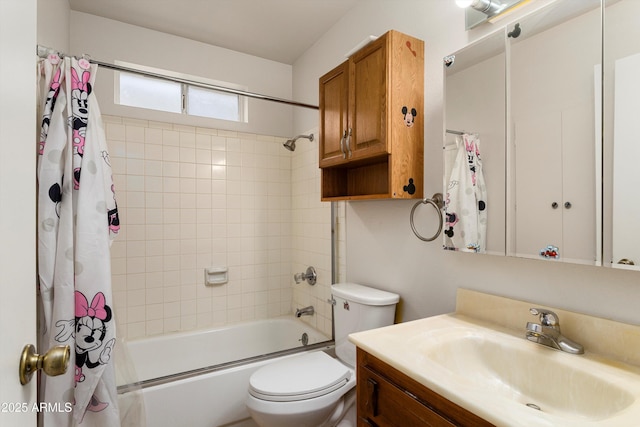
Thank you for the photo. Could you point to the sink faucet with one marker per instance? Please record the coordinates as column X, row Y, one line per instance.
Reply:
column 547, row 332
column 305, row 311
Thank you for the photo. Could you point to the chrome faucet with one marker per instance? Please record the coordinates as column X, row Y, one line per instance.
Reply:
column 305, row 311
column 309, row 275
column 547, row 332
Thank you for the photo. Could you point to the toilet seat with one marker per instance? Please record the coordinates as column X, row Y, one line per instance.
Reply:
column 299, row 378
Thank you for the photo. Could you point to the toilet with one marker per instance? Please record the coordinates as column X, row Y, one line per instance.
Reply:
column 315, row 389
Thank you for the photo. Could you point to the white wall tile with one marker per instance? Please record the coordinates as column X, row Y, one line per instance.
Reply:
column 193, row 198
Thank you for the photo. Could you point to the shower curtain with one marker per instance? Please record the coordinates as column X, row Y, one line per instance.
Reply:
column 466, row 199
column 77, row 219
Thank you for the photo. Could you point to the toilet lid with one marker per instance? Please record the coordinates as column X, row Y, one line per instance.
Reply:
column 301, row 377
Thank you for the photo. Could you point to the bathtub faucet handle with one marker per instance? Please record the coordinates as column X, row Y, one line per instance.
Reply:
column 310, row 276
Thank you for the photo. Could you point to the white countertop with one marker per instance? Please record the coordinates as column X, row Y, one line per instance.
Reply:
column 413, row 348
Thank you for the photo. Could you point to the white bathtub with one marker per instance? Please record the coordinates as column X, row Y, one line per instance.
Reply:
column 194, row 378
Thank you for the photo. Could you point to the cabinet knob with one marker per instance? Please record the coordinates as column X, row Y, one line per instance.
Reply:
column 567, row 205
column 554, row 205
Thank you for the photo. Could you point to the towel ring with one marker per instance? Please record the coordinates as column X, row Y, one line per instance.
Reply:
column 438, row 203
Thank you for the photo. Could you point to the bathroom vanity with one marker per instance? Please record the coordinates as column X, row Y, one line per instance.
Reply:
column 387, row 397
column 478, row 366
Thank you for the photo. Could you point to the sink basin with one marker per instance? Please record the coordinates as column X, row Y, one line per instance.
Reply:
column 541, row 378
column 506, row 379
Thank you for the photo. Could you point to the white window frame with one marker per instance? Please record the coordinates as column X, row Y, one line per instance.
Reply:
column 243, row 105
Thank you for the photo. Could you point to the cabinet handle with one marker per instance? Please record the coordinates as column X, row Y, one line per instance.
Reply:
column 372, row 403
column 567, row 205
column 349, row 143
column 344, row 153
column 554, row 205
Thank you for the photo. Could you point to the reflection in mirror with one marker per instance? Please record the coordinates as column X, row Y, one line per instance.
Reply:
column 475, row 123
column 554, row 142
column 480, row 11
column 622, row 111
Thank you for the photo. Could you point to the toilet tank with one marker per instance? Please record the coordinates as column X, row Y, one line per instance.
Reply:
column 358, row 308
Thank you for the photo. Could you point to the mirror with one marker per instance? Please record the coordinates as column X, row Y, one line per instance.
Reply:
column 554, row 138
column 535, row 103
column 474, row 103
column 622, row 150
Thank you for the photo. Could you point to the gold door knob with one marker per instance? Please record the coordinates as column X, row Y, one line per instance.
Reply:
column 53, row 362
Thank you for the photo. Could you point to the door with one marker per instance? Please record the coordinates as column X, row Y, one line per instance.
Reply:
column 17, row 207
column 334, row 99
column 367, row 134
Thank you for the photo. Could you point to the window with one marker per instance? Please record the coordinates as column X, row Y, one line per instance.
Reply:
column 157, row 94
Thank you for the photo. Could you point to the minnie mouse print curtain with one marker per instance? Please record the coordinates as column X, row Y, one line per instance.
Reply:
column 77, row 220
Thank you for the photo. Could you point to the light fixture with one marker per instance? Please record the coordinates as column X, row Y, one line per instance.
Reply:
column 488, row 7
column 478, row 11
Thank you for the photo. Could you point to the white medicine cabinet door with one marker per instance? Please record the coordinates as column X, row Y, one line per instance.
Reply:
column 475, row 103
column 554, row 145
column 622, row 149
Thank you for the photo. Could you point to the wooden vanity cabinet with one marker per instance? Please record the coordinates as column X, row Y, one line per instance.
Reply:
column 371, row 134
column 388, row 398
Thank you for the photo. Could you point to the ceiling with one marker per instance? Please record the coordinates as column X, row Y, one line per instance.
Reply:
column 279, row 30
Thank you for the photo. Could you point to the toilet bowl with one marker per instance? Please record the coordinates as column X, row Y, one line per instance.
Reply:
column 315, row 389
column 300, row 391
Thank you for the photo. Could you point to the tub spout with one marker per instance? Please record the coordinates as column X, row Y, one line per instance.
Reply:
column 305, row 311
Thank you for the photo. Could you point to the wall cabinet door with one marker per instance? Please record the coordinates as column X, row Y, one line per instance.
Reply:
column 334, row 101
column 367, row 133
column 554, row 139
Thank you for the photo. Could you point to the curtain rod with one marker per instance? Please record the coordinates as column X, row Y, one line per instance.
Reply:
column 44, row 51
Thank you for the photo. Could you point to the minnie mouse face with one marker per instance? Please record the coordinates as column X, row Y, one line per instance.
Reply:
column 90, row 332
column 91, row 322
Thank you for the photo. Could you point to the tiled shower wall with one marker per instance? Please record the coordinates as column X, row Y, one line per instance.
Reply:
column 311, row 235
column 191, row 198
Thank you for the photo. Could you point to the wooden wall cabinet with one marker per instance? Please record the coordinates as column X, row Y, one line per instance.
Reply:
column 372, row 122
column 389, row 398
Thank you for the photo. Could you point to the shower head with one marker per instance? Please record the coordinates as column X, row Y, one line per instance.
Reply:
column 290, row 144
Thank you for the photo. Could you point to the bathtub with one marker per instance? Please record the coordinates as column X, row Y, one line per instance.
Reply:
column 201, row 378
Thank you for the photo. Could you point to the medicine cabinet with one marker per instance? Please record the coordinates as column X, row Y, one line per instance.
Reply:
column 621, row 145
column 531, row 92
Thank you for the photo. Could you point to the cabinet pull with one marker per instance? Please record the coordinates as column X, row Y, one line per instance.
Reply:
column 372, row 404
column 349, row 143
column 344, row 153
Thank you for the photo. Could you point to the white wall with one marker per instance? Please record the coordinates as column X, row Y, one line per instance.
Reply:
column 109, row 41
column 53, row 24
column 381, row 249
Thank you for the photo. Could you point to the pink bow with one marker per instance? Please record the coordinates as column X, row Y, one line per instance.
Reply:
column 96, row 309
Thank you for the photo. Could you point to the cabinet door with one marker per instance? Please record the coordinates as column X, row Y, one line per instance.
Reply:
column 367, row 133
column 334, row 100
column 385, row 405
